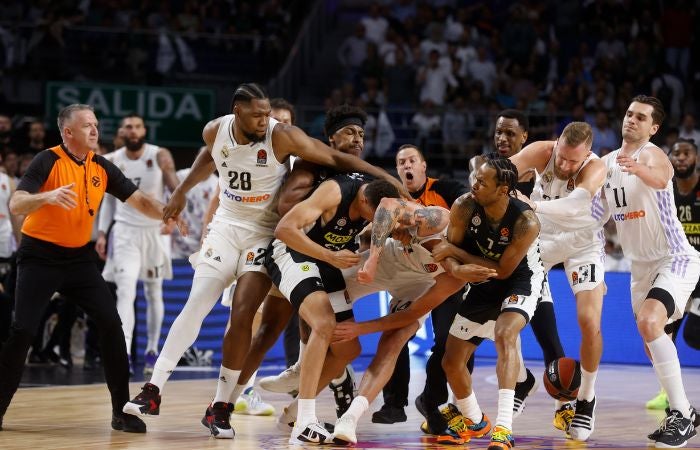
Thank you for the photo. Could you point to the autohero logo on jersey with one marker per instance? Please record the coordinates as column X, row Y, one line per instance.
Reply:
column 246, row 199
column 621, row 217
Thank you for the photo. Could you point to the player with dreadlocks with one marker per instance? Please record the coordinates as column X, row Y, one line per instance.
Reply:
column 491, row 227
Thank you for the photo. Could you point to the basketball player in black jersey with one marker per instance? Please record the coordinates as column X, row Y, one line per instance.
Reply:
column 509, row 137
column 492, row 228
column 305, row 267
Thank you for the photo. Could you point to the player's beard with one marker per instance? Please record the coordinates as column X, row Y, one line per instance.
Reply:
column 252, row 137
column 687, row 173
column 134, row 145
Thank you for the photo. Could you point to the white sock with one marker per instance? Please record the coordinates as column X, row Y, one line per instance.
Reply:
column 307, row 411
column 161, row 372
column 251, row 380
column 668, row 369
column 559, row 403
column 357, row 408
column 506, row 398
column 302, row 347
column 226, row 384
column 587, row 389
column 469, row 408
column 153, row 291
column 340, row 379
column 237, row 391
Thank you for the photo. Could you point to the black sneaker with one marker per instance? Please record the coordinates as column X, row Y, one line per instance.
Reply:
column 146, row 403
column 389, row 414
column 344, row 393
column 435, row 423
column 696, row 423
column 584, row 420
column 127, row 423
column 217, row 418
column 675, row 431
column 522, row 391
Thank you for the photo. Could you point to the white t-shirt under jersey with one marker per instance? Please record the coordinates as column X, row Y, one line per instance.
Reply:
column 647, row 226
column 549, row 187
column 146, row 174
column 250, row 178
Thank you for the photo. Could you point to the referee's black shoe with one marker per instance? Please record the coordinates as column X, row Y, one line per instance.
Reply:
column 127, row 423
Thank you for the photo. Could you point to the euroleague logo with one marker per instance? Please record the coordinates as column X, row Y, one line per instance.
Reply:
column 431, row 267
column 262, row 158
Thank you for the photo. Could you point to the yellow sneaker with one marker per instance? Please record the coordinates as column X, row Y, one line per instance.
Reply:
column 501, row 439
column 660, row 402
column 563, row 416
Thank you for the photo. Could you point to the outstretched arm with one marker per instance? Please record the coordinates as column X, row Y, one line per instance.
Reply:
column 445, row 285
column 290, row 140
column 653, row 167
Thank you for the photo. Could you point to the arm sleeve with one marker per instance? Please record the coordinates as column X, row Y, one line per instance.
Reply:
column 117, row 184
column 38, row 172
column 450, row 190
column 106, row 215
column 573, row 205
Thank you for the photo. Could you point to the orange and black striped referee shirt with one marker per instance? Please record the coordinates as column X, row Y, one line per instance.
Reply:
column 436, row 192
column 94, row 176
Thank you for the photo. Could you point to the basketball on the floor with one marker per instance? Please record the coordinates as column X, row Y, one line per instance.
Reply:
column 562, row 378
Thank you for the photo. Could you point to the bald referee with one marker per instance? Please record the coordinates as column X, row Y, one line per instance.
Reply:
column 60, row 194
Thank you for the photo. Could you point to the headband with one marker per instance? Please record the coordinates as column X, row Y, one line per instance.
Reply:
column 332, row 129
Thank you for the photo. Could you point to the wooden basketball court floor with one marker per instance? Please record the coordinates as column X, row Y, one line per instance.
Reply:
column 77, row 417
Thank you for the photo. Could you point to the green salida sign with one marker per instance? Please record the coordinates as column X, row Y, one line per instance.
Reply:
column 173, row 116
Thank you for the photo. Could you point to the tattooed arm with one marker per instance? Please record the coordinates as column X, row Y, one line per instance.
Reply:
column 390, row 213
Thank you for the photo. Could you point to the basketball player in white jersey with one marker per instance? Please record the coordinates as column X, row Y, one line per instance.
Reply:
column 566, row 199
column 250, row 150
column 10, row 234
column 138, row 249
column 665, row 267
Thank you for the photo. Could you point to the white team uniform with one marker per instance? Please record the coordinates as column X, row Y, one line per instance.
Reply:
column 137, row 249
column 7, row 238
column 651, row 236
column 578, row 242
column 406, row 272
column 243, row 226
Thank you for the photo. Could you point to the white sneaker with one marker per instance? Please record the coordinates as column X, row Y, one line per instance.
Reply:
column 344, row 432
column 285, row 422
column 286, row 382
column 312, row 433
column 251, row 404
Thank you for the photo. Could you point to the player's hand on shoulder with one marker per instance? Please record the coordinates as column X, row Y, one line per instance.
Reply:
column 343, row 259
column 63, row 196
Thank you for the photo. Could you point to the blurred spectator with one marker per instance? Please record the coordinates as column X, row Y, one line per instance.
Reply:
column 403, row 9
column 668, row 88
column 5, row 132
column 455, row 133
column 400, row 82
column 427, row 125
column 603, row 135
column 352, row 52
column 434, row 80
column 484, row 70
column 36, row 134
column 677, row 30
column 669, row 139
column 375, row 25
column 10, row 162
column 688, row 130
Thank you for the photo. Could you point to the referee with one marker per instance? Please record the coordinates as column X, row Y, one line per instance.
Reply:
column 60, row 194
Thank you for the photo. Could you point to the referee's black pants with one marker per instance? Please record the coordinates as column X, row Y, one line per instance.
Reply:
column 78, row 279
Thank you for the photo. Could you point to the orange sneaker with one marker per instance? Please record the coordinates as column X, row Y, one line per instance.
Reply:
column 501, row 439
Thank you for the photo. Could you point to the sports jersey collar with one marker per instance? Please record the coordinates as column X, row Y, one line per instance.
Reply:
column 73, row 157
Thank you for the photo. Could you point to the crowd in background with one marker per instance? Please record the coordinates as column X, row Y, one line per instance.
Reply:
column 143, row 41
column 437, row 72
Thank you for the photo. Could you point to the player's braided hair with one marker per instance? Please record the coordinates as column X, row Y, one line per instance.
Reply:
column 247, row 92
column 506, row 172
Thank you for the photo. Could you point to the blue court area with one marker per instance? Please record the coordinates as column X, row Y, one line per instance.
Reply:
column 622, row 344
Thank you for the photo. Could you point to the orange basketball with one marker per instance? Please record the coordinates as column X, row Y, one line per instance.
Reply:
column 562, row 378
